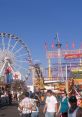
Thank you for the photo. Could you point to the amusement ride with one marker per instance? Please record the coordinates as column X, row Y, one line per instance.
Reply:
column 64, row 65
column 16, row 63
column 15, row 58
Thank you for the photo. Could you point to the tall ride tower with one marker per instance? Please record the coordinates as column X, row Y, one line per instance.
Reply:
column 59, row 65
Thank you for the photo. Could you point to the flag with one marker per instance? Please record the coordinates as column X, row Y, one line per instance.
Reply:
column 46, row 46
column 66, row 45
column 81, row 45
column 73, row 44
column 53, row 44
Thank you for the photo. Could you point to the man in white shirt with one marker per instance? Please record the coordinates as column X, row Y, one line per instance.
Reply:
column 50, row 107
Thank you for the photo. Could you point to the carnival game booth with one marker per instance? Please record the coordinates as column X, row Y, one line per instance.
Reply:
column 75, row 83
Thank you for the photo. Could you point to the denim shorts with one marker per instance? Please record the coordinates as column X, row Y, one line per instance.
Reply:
column 49, row 114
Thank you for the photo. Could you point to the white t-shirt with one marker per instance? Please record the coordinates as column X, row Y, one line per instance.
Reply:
column 51, row 101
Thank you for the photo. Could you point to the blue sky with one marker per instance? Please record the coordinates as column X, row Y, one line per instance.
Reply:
column 37, row 21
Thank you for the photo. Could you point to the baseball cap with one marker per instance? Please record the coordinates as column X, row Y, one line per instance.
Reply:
column 72, row 99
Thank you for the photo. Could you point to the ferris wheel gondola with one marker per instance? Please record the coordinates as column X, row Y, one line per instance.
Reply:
column 14, row 53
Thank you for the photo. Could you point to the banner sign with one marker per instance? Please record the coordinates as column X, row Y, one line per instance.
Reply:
column 73, row 56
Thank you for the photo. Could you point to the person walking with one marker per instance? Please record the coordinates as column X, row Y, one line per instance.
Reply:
column 63, row 106
column 25, row 106
column 35, row 110
column 50, row 107
column 10, row 97
column 74, row 110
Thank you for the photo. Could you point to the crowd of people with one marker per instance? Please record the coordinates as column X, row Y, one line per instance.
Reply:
column 46, row 104
column 5, row 97
column 66, row 106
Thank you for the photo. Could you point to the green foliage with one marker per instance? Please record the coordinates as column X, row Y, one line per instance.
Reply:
column 18, row 85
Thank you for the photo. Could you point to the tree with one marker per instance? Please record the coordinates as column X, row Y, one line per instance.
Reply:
column 18, row 85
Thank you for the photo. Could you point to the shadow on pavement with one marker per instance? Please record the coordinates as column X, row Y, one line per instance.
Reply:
column 2, row 115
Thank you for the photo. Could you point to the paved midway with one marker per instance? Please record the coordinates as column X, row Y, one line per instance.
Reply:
column 11, row 111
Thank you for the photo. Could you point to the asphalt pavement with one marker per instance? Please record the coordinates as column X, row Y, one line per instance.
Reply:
column 9, row 111
column 12, row 111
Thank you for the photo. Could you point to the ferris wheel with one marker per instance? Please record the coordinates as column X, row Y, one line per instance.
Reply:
column 14, row 55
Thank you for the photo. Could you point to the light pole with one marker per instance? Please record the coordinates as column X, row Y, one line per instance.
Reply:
column 66, row 80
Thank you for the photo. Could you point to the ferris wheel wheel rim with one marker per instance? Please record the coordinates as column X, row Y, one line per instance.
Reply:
column 17, row 39
column 14, row 37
